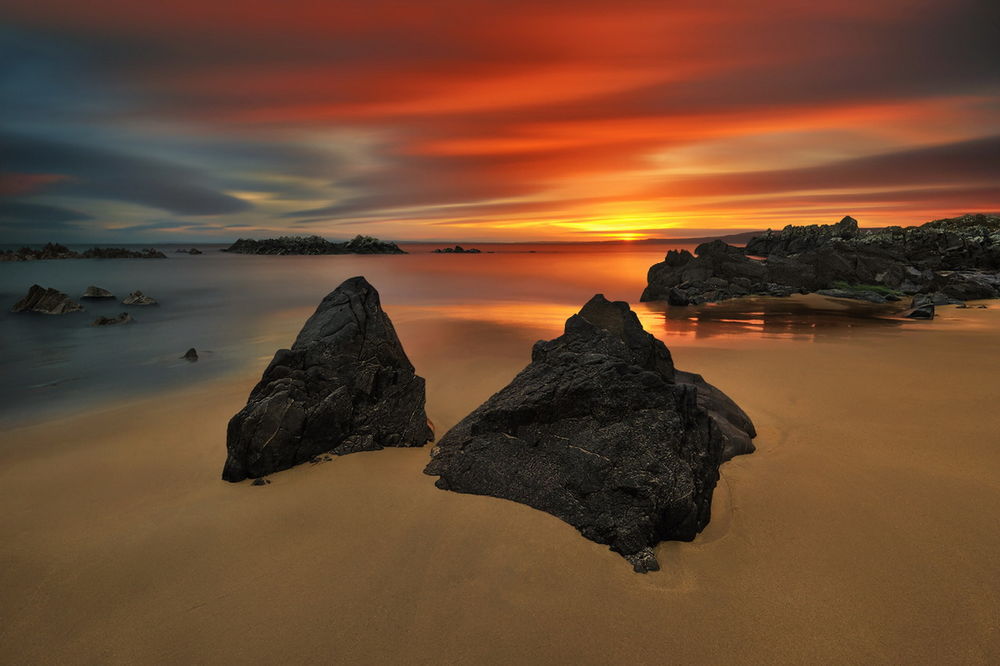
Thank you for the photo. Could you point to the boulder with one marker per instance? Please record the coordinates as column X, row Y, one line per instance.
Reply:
column 602, row 432
column 123, row 318
column 921, row 307
column 138, row 298
column 191, row 355
column 345, row 385
column 96, row 292
column 46, row 301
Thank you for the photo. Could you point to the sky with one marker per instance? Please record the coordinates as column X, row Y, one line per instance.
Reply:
column 131, row 121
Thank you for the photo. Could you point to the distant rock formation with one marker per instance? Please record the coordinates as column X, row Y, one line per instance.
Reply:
column 313, row 245
column 958, row 258
column 193, row 250
column 96, row 293
column 138, row 298
column 346, row 385
column 46, row 301
column 601, row 431
column 458, row 249
column 190, row 355
column 56, row 251
column 123, row 318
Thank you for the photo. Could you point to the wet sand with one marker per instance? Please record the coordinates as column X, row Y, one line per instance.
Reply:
column 864, row 529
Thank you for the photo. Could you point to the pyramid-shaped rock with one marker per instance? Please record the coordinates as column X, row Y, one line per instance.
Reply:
column 346, row 385
column 602, row 432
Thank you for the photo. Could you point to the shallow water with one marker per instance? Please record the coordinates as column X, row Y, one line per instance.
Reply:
column 452, row 311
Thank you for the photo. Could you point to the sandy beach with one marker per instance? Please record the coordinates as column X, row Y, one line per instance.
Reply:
column 862, row 530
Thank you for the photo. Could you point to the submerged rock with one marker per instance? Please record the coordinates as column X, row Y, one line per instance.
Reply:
column 346, row 385
column 123, row 318
column 601, row 431
column 458, row 249
column 46, row 301
column 190, row 355
column 138, row 298
column 96, row 292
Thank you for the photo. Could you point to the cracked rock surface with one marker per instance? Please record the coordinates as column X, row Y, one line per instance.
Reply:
column 346, row 385
column 601, row 431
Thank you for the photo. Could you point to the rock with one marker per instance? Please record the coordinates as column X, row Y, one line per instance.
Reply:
column 260, row 482
column 56, row 251
column 458, row 249
column 921, row 307
column 193, row 250
column 191, row 355
column 602, row 432
column 123, row 318
column 313, row 245
column 46, row 301
column 96, row 292
column 138, row 298
column 346, row 385
column 855, row 294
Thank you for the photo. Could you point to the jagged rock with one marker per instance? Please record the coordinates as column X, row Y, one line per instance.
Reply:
column 959, row 257
column 96, row 292
column 190, row 355
column 138, row 298
column 46, row 301
column 123, row 318
column 601, row 431
column 346, row 385
column 313, row 245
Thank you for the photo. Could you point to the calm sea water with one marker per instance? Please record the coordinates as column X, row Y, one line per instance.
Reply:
column 465, row 315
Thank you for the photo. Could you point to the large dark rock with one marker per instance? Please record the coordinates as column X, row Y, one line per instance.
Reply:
column 46, row 301
column 346, row 385
column 601, row 431
column 958, row 256
column 313, row 245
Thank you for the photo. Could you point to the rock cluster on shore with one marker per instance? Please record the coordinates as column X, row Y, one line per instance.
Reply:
column 346, row 385
column 601, row 431
column 313, row 245
column 56, row 251
column 955, row 259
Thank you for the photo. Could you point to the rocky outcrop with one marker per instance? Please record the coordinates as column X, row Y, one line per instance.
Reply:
column 56, row 251
column 458, row 249
column 601, row 431
column 193, row 250
column 46, row 301
column 123, row 318
column 959, row 257
column 138, row 298
column 346, row 385
column 96, row 293
column 313, row 245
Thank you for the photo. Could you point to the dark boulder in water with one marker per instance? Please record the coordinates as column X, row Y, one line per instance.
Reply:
column 601, row 431
column 96, row 292
column 46, row 301
column 123, row 318
column 191, row 355
column 139, row 298
column 346, row 385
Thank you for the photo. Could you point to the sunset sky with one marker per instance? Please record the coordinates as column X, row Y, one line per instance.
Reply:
column 124, row 120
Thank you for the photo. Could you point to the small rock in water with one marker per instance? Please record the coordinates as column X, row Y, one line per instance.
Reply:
column 123, row 318
column 260, row 482
column 138, row 298
column 96, row 292
column 191, row 355
column 922, row 307
column 46, row 301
